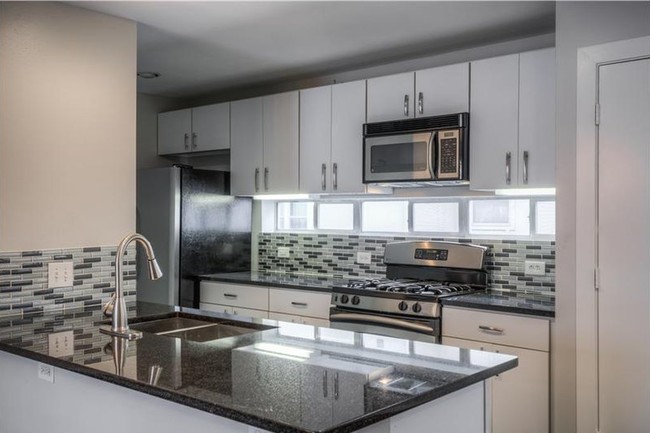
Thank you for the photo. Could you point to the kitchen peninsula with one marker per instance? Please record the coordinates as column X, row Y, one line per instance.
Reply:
column 273, row 376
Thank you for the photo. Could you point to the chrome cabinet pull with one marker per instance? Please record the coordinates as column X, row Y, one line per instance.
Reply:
column 325, row 383
column 266, row 178
column 336, row 386
column 490, row 329
column 335, row 176
column 323, row 177
column 229, row 295
column 525, row 166
column 257, row 179
column 406, row 105
column 508, row 160
column 421, row 103
column 187, row 140
column 194, row 140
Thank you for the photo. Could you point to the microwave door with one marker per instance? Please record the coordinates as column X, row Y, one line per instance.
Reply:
column 399, row 157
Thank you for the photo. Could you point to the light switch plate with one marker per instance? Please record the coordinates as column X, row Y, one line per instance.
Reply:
column 284, row 252
column 61, row 344
column 364, row 258
column 59, row 274
column 534, row 268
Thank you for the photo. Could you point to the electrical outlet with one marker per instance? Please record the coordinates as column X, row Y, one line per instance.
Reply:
column 534, row 268
column 364, row 258
column 61, row 344
column 284, row 252
column 46, row 372
column 59, row 274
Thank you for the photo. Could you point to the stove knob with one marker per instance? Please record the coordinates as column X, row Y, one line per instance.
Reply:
column 403, row 306
column 417, row 308
column 355, row 300
column 344, row 299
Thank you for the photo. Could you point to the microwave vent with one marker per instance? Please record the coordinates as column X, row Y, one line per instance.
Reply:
column 458, row 120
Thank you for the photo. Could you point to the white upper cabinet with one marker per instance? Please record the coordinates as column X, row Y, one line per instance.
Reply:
column 331, row 138
column 247, row 147
column 391, row 97
column 512, row 121
column 198, row 129
column 281, row 143
column 442, row 90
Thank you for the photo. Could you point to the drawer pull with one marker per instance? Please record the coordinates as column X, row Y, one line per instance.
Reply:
column 490, row 329
column 229, row 295
column 299, row 304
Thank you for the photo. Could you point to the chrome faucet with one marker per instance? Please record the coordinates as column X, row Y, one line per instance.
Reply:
column 119, row 324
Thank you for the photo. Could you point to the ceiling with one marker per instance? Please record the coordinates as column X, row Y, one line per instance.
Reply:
column 207, row 47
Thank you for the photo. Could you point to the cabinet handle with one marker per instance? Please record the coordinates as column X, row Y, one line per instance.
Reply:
column 194, row 140
column 525, row 166
column 266, row 178
column 257, row 179
column 187, row 141
column 229, row 295
column 335, row 176
column 325, row 383
column 421, row 103
column 336, row 386
column 508, row 160
column 323, row 176
column 299, row 304
column 490, row 329
column 406, row 105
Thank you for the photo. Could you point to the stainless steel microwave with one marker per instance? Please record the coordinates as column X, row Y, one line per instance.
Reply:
column 423, row 151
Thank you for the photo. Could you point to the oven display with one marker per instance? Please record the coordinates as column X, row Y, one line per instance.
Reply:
column 427, row 254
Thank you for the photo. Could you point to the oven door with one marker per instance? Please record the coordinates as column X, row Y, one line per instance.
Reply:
column 398, row 327
column 399, row 157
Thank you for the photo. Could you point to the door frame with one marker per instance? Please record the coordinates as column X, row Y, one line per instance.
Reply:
column 589, row 60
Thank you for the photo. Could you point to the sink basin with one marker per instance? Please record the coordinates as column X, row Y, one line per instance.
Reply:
column 195, row 329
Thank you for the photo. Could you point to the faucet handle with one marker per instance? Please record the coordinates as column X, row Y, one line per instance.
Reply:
column 107, row 309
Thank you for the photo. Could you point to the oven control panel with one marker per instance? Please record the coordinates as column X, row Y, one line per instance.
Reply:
column 431, row 254
column 403, row 307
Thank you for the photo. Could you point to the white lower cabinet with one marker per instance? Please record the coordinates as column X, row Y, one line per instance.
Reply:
column 294, row 318
column 520, row 397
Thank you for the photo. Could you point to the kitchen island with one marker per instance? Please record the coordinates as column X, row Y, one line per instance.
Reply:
column 275, row 376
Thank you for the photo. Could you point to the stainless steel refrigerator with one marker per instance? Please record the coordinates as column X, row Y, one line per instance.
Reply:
column 195, row 228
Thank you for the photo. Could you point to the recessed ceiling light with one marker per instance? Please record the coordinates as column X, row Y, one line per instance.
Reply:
column 148, row 75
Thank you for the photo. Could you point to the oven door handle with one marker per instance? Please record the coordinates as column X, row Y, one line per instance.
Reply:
column 381, row 320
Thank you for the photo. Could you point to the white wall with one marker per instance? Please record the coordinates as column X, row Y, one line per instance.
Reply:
column 578, row 24
column 67, row 127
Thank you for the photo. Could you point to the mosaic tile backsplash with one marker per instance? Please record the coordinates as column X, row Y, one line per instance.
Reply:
column 335, row 255
column 24, row 281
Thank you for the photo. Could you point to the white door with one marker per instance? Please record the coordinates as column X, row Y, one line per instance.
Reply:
column 624, row 247
column 348, row 117
column 315, row 139
column 443, row 90
column 391, row 97
column 281, row 137
column 247, row 147
column 174, row 130
column 211, row 127
column 537, row 119
column 494, row 123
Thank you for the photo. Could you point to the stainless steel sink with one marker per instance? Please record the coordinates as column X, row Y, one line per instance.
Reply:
column 193, row 329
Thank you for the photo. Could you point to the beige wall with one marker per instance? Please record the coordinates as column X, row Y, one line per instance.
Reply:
column 67, row 127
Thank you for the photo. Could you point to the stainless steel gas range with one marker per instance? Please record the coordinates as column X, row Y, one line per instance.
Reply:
column 406, row 304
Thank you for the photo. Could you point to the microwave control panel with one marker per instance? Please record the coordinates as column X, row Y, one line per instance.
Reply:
column 448, row 154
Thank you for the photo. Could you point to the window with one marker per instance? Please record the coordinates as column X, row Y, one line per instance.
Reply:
column 490, row 217
column 385, row 216
column 295, row 216
column 336, row 216
column 436, row 217
column 545, row 218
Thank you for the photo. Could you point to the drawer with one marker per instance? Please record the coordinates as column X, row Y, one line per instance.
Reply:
column 300, row 302
column 235, row 295
column 249, row 312
column 526, row 332
column 299, row 319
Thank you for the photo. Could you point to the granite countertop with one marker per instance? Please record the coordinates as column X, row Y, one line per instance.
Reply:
column 261, row 378
column 533, row 304
column 276, row 279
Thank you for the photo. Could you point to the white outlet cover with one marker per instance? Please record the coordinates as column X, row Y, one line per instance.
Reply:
column 534, row 268
column 364, row 258
column 284, row 252
column 61, row 344
column 60, row 274
column 45, row 372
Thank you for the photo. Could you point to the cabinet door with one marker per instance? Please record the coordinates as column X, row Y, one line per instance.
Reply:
column 281, row 138
column 300, row 302
column 316, row 399
column 494, row 122
column 216, row 307
column 174, row 130
column 348, row 395
column 520, row 396
column 348, row 117
column 246, row 146
column 249, row 312
column 211, row 127
column 315, row 139
column 443, row 90
column 391, row 97
column 537, row 119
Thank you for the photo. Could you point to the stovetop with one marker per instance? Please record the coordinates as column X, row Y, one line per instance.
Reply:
column 409, row 286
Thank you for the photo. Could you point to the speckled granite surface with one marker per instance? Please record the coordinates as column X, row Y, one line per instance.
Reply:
column 272, row 379
column 275, row 279
column 533, row 304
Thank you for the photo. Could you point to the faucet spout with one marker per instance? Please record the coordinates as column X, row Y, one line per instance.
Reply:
column 119, row 326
